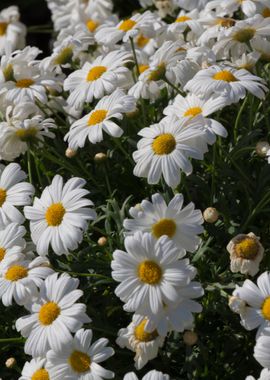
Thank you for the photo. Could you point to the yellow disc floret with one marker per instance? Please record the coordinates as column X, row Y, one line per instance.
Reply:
column 244, row 35
column 164, row 227
column 126, row 25
column 266, row 308
column 95, row 73
column 40, row 374
column 142, row 335
column 224, row 75
column 142, row 68
column 54, row 214
column 24, row 83
column 3, row 28
column 16, row 272
column 164, row 144
column 182, row 19
column 3, row 196
column 149, row 272
column 92, row 25
column 158, row 73
column 79, row 361
column 225, row 22
column 64, row 56
column 142, row 40
column 193, row 111
column 48, row 313
column 247, row 248
column 266, row 12
column 97, row 117
column 26, row 135
column 2, row 253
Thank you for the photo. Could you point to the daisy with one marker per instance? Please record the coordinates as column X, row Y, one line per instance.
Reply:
column 110, row 107
column 186, row 20
column 262, row 351
column 191, row 106
column 11, row 240
column 246, row 253
column 20, row 278
column 151, row 375
column 227, row 82
column 54, row 316
column 24, row 126
column 144, row 344
column 166, row 147
column 180, row 224
column 98, row 78
column 80, row 359
column 36, row 369
column 192, row 4
column 13, row 192
column 126, row 29
column 149, row 272
column 59, row 217
column 262, row 46
column 12, row 31
column 257, row 313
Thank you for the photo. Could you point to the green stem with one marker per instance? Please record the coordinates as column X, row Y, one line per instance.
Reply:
column 135, row 56
column 12, row 340
column 172, row 85
column 119, row 145
column 29, row 166
column 237, row 120
column 97, row 275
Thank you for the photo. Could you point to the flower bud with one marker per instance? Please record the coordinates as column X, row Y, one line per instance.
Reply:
column 236, row 304
column 262, row 147
column 210, row 215
column 100, row 157
column 11, row 362
column 190, row 338
column 70, row 153
column 102, row 241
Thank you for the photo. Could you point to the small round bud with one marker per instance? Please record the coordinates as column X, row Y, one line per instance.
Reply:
column 70, row 153
column 102, row 241
column 11, row 362
column 100, row 157
column 133, row 114
column 190, row 338
column 210, row 215
column 237, row 305
column 262, row 147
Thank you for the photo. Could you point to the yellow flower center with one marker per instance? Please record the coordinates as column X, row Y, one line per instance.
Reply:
column 41, row 374
column 149, row 272
column 2, row 253
column 193, row 111
column 26, row 135
column 54, row 214
column 8, row 72
column 3, row 28
column 142, row 335
column 142, row 68
column 266, row 308
column 64, row 56
column 97, row 117
column 225, row 22
column 142, row 40
column 126, row 25
column 3, row 196
column 158, row 73
column 95, row 73
column 92, row 25
column 48, row 313
column 266, row 12
column 224, row 75
column 247, row 248
column 16, row 272
column 79, row 361
column 24, row 83
column 164, row 227
column 164, row 144
column 182, row 19
column 244, row 35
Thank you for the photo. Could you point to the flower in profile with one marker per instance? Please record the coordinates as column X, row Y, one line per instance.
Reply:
column 12, row 31
column 59, row 217
column 54, row 316
column 36, row 369
column 151, row 375
column 79, row 360
column 246, row 253
column 180, row 224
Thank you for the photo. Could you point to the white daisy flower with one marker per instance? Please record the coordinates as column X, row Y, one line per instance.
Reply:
column 192, row 4
column 59, row 217
column 166, row 147
column 151, row 375
column 25, row 125
column 149, row 272
column 91, row 126
column 13, row 192
column 213, row 25
column 11, row 240
column 246, row 253
column 227, row 82
column 246, row 61
column 144, row 344
column 180, row 224
column 35, row 370
column 186, row 20
column 262, row 46
column 257, row 313
column 20, row 278
column 80, row 359
column 102, row 7
column 12, row 31
column 54, row 316
column 264, row 375
column 126, row 29
column 96, row 79
column 262, row 351
column 191, row 106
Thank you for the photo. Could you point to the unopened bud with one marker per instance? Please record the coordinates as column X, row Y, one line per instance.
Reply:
column 11, row 362
column 237, row 305
column 100, row 157
column 102, row 241
column 210, row 215
column 70, row 153
column 132, row 114
column 190, row 338
column 262, row 148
